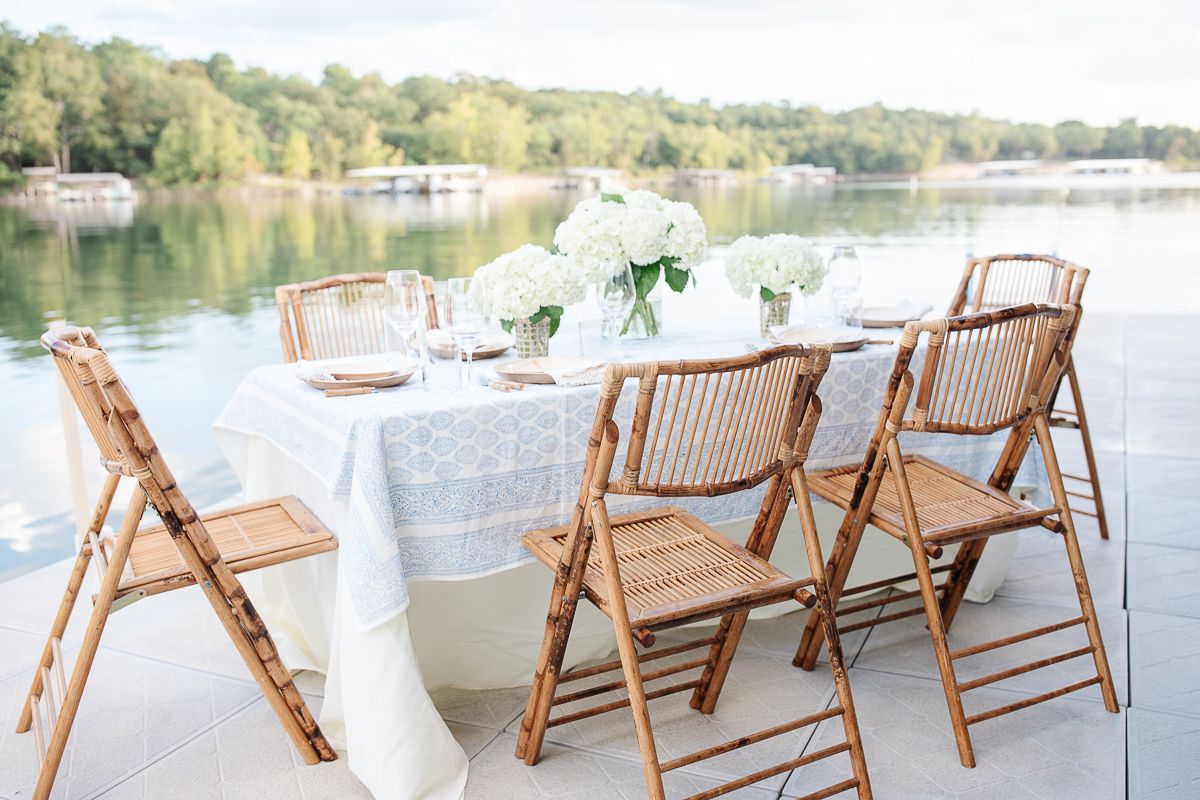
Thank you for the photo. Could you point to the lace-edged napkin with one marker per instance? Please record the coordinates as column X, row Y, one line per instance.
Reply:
column 574, row 373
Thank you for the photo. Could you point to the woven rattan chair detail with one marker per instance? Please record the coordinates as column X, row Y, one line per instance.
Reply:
column 338, row 316
column 995, row 281
column 185, row 549
column 983, row 373
column 699, row 428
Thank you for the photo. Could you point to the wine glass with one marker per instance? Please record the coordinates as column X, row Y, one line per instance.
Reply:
column 465, row 322
column 616, row 296
column 404, row 304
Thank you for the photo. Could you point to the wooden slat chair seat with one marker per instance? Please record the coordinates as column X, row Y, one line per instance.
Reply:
column 248, row 537
column 951, row 507
column 340, row 315
column 983, row 373
column 699, row 429
column 673, row 566
column 991, row 282
column 185, row 549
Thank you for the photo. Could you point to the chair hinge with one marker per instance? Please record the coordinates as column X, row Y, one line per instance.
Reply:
column 126, row 600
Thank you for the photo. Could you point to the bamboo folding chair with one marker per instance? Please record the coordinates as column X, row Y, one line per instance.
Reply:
column 341, row 315
column 983, row 373
column 712, row 428
column 184, row 550
column 993, row 282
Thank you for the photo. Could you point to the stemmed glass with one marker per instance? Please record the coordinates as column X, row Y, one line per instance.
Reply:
column 404, row 304
column 466, row 324
column 616, row 296
column 845, row 276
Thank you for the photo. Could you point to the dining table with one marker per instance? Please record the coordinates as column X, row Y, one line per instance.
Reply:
column 429, row 491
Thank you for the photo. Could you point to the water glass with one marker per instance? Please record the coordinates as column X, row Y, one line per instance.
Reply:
column 849, row 309
column 404, row 305
column 466, row 324
column 615, row 297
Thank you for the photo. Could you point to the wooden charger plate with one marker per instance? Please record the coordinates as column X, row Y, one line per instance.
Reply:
column 893, row 316
column 441, row 345
column 395, row 377
column 535, row 370
column 841, row 339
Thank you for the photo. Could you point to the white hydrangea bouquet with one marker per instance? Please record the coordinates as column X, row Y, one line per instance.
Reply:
column 655, row 237
column 526, row 290
column 774, row 264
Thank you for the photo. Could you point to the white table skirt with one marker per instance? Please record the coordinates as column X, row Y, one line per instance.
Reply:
column 478, row 633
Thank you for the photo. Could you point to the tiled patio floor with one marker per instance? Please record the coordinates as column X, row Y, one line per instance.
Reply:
column 181, row 719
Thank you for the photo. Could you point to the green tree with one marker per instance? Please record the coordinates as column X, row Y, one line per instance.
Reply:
column 172, row 157
column 230, row 155
column 296, row 160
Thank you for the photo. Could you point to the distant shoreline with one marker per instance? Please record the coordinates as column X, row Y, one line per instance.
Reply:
column 271, row 186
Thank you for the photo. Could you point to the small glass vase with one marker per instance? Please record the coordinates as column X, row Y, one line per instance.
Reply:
column 646, row 317
column 532, row 339
column 773, row 312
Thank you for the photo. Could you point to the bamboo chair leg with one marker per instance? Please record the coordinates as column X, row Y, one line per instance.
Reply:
column 729, row 631
column 1088, row 453
column 1077, row 569
column 933, row 613
column 837, row 570
column 629, row 659
column 91, row 643
column 67, row 604
column 959, row 577
column 824, row 607
column 564, row 600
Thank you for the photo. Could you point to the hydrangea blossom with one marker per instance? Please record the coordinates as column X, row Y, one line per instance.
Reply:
column 519, row 284
column 637, row 227
column 774, row 263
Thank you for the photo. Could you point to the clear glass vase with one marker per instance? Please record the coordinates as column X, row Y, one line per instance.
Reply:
column 774, row 312
column 532, row 339
column 646, row 316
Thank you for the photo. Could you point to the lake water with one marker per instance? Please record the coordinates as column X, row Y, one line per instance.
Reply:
column 181, row 293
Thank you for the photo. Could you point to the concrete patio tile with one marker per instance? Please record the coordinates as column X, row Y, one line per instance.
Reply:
column 1165, row 520
column 494, row 709
column 1165, row 655
column 1060, row 749
column 577, row 774
column 472, row 738
column 19, row 653
column 1177, row 477
column 246, row 756
column 760, row 691
column 1162, row 756
column 903, row 647
column 187, row 633
column 133, row 710
column 1041, row 571
column 1163, row 579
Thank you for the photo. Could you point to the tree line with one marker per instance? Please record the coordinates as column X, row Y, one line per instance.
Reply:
column 118, row 106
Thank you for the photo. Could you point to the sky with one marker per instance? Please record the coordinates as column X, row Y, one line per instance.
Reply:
column 1025, row 60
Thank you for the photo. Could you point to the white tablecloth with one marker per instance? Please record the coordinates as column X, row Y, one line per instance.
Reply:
column 429, row 494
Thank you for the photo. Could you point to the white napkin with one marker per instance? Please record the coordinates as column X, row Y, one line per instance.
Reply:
column 312, row 371
column 575, row 374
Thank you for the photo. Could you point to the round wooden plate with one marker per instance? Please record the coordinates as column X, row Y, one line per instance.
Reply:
column 441, row 345
column 892, row 316
column 362, row 371
column 841, row 339
column 534, row 370
column 386, row 382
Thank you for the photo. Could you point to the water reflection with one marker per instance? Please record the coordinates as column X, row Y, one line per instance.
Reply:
column 182, row 292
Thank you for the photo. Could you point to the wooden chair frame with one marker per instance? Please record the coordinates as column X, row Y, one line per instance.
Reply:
column 992, row 282
column 128, row 451
column 760, row 431
column 1001, row 381
column 313, row 322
